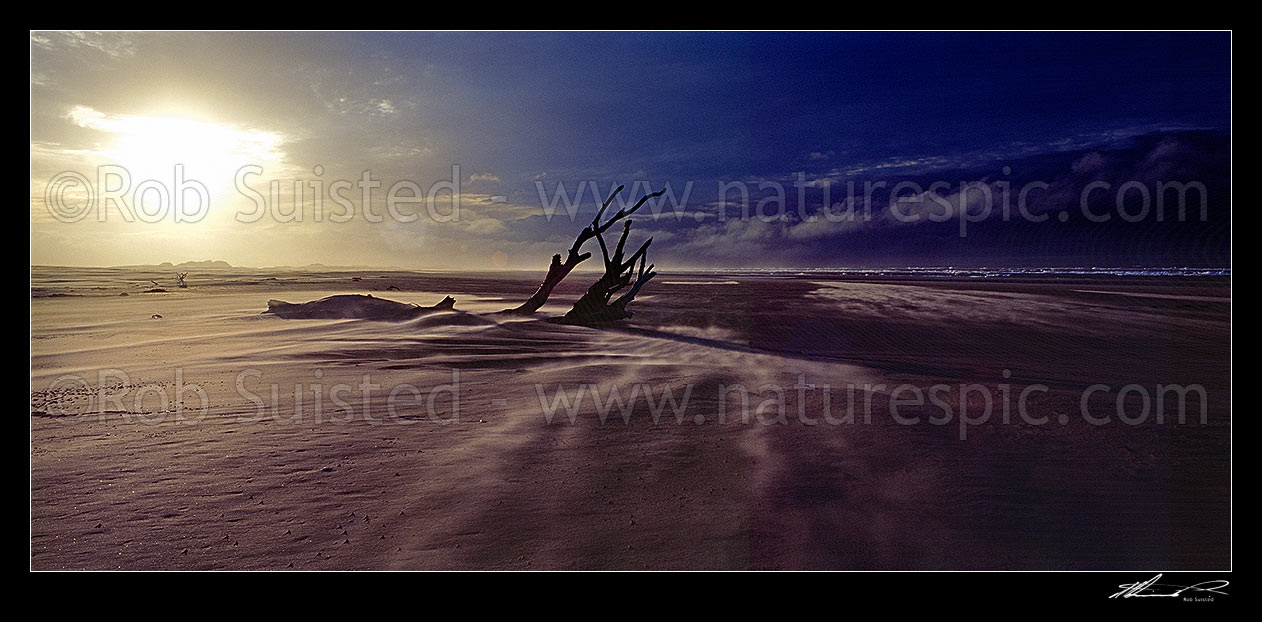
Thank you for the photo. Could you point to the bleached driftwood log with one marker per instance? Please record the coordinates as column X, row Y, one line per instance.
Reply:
column 354, row 306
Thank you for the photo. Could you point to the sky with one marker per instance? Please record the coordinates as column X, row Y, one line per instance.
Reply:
column 755, row 136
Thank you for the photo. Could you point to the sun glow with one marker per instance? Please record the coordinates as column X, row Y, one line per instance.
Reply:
column 149, row 147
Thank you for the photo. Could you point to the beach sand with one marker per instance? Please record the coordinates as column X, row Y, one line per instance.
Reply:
column 157, row 441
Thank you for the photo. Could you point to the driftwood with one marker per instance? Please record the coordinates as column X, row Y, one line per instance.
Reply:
column 559, row 270
column 595, row 306
column 179, row 279
column 354, row 306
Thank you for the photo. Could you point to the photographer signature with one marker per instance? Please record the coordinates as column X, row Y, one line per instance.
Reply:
column 1151, row 588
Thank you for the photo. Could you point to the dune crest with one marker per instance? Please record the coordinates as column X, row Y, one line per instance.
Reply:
column 354, row 306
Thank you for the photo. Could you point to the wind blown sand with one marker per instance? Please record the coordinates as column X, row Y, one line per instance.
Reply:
column 166, row 432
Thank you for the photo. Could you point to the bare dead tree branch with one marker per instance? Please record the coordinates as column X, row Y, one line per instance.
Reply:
column 558, row 270
column 595, row 306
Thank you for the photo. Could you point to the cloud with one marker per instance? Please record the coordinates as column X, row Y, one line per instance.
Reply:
column 483, row 178
column 113, row 45
column 485, row 226
column 515, row 108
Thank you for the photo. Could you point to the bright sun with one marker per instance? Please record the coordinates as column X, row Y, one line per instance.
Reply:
column 149, row 147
